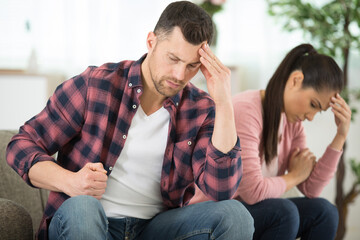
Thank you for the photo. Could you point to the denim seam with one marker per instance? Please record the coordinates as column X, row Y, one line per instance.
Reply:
column 107, row 228
column 61, row 226
column 193, row 233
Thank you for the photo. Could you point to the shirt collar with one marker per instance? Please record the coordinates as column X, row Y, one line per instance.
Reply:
column 134, row 76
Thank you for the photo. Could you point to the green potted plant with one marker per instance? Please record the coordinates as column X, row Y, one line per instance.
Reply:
column 212, row 7
column 334, row 28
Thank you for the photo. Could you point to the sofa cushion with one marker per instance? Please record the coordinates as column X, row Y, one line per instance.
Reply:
column 12, row 187
column 15, row 221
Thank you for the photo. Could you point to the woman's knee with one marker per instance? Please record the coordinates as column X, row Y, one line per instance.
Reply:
column 327, row 211
column 275, row 218
column 288, row 214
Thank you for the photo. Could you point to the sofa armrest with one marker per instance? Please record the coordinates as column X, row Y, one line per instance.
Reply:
column 13, row 188
column 15, row 221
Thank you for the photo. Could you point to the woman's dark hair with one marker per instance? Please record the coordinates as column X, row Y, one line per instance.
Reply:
column 195, row 24
column 320, row 73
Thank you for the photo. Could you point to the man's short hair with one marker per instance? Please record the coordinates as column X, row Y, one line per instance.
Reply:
column 195, row 24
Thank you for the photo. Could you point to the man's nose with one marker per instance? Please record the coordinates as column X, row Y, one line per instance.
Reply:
column 179, row 72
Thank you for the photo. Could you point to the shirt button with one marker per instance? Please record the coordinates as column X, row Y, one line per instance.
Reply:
column 177, row 104
column 138, row 91
column 134, row 106
column 110, row 168
column 124, row 136
column 130, row 84
column 189, row 143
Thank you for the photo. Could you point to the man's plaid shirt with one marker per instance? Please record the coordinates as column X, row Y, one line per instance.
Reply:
column 87, row 120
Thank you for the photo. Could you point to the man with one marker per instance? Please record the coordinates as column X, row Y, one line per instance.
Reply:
column 133, row 138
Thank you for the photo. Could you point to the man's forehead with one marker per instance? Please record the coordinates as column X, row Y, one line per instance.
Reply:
column 185, row 58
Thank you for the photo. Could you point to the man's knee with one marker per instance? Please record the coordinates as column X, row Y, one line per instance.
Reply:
column 82, row 210
column 233, row 214
column 80, row 215
column 82, row 205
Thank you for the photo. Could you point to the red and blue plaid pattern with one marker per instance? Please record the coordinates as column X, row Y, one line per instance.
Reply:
column 87, row 120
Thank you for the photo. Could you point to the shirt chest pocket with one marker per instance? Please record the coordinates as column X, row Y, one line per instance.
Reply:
column 183, row 152
column 182, row 162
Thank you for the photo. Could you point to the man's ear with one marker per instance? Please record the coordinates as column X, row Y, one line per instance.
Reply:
column 151, row 41
column 296, row 78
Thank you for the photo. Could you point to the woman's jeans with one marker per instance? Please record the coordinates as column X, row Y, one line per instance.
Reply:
column 83, row 217
column 294, row 217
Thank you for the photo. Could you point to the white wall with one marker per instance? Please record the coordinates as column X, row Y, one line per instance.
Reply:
column 69, row 35
column 20, row 98
column 319, row 134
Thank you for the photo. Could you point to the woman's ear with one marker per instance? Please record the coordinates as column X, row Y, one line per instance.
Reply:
column 151, row 41
column 296, row 78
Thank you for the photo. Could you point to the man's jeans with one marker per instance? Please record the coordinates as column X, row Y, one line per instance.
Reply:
column 284, row 219
column 83, row 217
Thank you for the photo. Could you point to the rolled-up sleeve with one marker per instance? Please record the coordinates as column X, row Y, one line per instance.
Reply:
column 219, row 175
column 223, row 172
column 54, row 126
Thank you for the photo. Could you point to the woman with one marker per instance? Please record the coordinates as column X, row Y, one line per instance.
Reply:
column 274, row 153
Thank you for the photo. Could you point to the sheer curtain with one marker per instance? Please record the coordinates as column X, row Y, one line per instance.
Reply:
column 252, row 40
column 66, row 36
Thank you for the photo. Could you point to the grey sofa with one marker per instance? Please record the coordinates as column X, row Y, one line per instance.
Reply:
column 21, row 206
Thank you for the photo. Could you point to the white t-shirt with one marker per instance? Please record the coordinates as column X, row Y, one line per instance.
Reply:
column 133, row 187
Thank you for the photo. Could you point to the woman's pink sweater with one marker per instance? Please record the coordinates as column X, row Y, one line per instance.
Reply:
column 259, row 181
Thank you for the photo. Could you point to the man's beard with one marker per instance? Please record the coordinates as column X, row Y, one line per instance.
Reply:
column 161, row 87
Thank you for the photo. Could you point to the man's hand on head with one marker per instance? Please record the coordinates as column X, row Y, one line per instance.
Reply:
column 218, row 76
